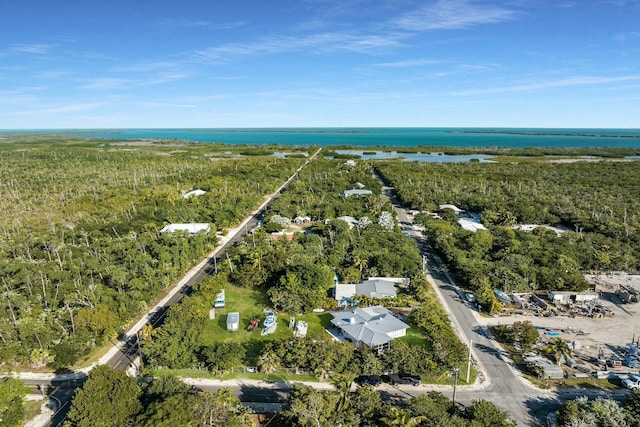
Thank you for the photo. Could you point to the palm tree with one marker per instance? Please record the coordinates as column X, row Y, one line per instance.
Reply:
column 560, row 350
column 342, row 383
column 269, row 362
column 402, row 418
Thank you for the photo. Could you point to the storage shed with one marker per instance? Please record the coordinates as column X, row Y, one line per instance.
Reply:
column 568, row 297
column 233, row 321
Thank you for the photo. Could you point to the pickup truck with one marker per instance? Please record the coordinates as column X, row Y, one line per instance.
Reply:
column 404, row 379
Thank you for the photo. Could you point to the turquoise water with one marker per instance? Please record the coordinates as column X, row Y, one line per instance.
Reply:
column 419, row 157
column 397, row 137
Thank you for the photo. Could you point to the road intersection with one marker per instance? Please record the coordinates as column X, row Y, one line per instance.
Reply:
column 498, row 379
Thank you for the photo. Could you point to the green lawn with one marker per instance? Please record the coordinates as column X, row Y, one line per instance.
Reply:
column 254, row 303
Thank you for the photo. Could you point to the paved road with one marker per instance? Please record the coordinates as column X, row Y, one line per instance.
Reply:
column 499, row 381
column 123, row 354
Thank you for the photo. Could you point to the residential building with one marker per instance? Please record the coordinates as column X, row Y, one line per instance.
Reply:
column 374, row 326
column 191, row 228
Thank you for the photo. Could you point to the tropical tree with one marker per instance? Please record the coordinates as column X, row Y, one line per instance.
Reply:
column 108, row 398
column 12, row 407
column 401, row 418
column 560, row 350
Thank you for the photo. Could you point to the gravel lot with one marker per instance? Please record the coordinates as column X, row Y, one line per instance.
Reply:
column 609, row 333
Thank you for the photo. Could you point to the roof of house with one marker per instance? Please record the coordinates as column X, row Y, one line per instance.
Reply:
column 233, row 317
column 349, row 220
column 371, row 325
column 452, row 207
column 344, row 291
column 356, row 192
column 192, row 228
column 196, row 192
column 377, row 288
column 471, row 224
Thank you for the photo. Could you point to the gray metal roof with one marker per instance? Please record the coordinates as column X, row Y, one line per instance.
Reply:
column 377, row 288
column 371, row 325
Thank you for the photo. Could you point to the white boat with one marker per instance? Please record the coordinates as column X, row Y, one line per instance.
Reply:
column 270, row 320
column 269, row 324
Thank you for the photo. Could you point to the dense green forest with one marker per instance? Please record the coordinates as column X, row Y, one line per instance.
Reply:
column 596, row 202
column 296, row 277
column 81, row 250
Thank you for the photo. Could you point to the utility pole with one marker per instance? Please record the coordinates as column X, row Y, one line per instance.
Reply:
column 469, row 361
column 455, row 383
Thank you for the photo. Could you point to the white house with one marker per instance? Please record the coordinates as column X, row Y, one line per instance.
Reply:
column 452, row 207
column 375, row 326
column 197, row 192
column 191, row 228
column 349, row 220
column 356, row 192
column 471, row 224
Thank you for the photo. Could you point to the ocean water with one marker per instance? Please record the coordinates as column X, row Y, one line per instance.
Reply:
column 369, row 137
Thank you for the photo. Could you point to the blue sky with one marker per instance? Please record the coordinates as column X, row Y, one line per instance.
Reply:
column 308, row 63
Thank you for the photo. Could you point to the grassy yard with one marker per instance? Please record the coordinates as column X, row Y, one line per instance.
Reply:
column 254, row 303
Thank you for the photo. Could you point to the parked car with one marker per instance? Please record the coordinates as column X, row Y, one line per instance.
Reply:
column 373, row 380
column 633, row 382
column 404, row 379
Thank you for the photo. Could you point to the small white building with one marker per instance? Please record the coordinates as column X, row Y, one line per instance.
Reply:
column 569, row 297
column 301, row 220
column 233, row 321
column 471, row 224
column 191, row 228
column 349, row 220
column 454, row 208
column 356, row 192
column 187, row 194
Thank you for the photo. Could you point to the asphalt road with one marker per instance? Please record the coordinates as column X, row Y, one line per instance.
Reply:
column 500, row 382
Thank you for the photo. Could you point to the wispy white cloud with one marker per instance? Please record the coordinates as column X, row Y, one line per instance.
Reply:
column 566, row 82
column 322, row 42
column 197, row 23
column 452, row 15
column 163, row 105
column 36, row 49
column 410, row 63
column 106, row 83
column 631, row 35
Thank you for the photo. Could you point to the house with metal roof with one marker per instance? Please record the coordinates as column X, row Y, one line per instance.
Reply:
column 189, row 194
column 356, row 192
column 374, row 326
column 373, row 288
column 191, row 228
